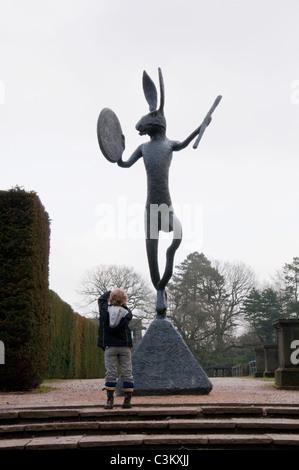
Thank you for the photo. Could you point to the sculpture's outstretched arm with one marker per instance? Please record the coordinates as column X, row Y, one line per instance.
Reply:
column 133, row 158
column 200, row 130
column 181, row 145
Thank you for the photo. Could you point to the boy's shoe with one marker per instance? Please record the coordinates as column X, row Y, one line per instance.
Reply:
column 127, row 400
column 110, row 400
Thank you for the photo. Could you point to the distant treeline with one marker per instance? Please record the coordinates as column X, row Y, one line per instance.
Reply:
column 41, row 334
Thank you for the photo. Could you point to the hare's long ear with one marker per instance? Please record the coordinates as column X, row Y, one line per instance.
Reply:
column 162, row 91
column 150, row 91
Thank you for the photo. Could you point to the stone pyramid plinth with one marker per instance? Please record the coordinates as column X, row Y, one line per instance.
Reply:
column 164, row 365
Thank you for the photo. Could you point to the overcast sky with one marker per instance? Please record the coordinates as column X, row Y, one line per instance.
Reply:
column 62, row 61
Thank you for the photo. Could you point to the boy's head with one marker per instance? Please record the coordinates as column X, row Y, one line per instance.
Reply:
column 118, row 297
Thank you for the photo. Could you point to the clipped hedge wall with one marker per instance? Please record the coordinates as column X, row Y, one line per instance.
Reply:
column 73, row 351
column 24, row 290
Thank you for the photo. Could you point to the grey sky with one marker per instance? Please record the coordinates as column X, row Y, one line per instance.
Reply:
column 62, row 61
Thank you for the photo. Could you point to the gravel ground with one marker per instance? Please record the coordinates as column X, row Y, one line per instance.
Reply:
column 88, row 392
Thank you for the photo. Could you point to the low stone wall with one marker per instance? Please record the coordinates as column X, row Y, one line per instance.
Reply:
column 243, row 370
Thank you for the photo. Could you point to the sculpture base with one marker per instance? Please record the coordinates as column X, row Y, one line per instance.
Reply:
column 287, row 378
column 163, row 364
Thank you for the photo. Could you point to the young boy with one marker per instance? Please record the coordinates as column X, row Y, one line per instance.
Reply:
column 116, row 340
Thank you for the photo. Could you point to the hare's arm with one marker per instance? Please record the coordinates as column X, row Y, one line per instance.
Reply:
column 200, row 130
column 181, row 145
column 133, row 158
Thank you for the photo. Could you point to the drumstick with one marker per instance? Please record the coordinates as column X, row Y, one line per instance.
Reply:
column 206, row 121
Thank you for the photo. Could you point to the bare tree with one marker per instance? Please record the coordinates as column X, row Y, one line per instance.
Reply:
column 205, row 300
column 108, row 277
column 239, row 279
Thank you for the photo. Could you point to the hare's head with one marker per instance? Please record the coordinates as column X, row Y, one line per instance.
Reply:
column 154, row 122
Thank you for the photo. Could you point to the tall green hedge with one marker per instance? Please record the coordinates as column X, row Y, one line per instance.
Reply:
column 42, row 335
column 73, row 351
column 24, row 290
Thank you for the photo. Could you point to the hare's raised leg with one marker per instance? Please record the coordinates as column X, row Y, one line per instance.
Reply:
column 172, row 224
column 170, row 253
column 176, row 227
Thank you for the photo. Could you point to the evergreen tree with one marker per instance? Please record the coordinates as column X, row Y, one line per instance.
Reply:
column 291, row 290
column 205, row 302
column 261, row 308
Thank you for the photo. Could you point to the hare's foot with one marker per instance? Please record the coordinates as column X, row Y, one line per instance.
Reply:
column 161, row 305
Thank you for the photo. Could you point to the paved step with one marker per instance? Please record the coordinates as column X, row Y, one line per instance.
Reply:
column 151, row 427
column 147, row 411
column 148, row 442
column 171, row 425
column 98, row 412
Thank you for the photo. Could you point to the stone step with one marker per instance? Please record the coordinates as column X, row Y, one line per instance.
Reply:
column 241, row 425
column 151, row 427
column 236, row 424
column 148, row 442
column 147, row 412
column 97, row 412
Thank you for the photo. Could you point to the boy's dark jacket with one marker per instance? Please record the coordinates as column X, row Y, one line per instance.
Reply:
column 118, row 336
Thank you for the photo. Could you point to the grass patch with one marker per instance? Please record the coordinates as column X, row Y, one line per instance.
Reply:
column 43, row 389
column 268, row 379
column 52, row 380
